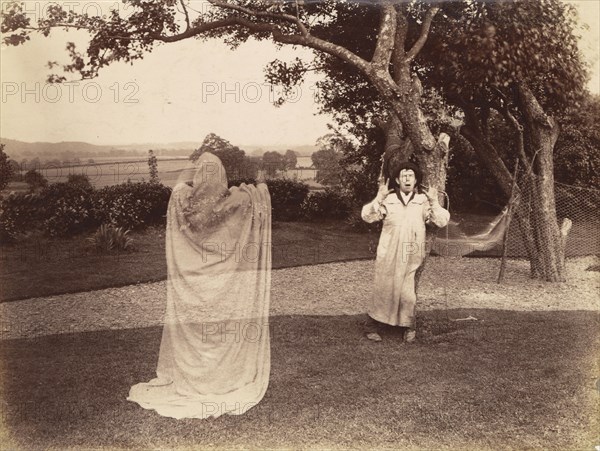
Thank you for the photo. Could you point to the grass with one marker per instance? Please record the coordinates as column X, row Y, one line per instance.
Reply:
column 41, row 266
column 515, row 381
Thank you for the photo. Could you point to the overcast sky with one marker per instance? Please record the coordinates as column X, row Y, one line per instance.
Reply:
column 180, row 92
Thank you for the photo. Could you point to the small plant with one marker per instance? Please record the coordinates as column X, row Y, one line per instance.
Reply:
column 108, row 238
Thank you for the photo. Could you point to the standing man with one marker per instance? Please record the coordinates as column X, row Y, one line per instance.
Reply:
column 401, row 248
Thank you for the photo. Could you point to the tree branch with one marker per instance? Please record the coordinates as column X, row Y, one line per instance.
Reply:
column 385, row 37
column 531, row 106
column 83, row 27
column 398, row 54
column 504, row 110
column 416, row 48
column 187, row 16
column 278, row 36
column 285, row 17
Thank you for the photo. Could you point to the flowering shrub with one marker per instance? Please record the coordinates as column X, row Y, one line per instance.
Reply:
column 327, row 204
column 131, row 205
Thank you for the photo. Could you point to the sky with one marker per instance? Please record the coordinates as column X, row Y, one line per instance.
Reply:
column 179, row 92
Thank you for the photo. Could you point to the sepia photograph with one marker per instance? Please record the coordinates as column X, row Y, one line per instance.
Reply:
column 300, row 224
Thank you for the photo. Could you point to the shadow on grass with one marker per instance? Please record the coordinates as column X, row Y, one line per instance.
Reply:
column 513, row 379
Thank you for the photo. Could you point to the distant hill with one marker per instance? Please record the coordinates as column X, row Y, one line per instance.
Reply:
column 19, row 149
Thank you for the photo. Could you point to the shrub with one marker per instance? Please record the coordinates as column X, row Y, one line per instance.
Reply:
column 109, row 238
column 66, row 208
column 35, row 180
column 80, row 180
column 287, row 197
column 58, row 209
column 356, row 222
column 132, row 205
column 19, row 213
column 327, row 204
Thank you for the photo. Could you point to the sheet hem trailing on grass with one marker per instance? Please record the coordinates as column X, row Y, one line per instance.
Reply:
column 214, row 356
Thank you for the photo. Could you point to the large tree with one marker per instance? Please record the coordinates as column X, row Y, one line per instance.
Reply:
column 506, row 67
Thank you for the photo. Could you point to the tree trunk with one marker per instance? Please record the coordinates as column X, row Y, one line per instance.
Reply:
column 536, row 217
column 549, row 238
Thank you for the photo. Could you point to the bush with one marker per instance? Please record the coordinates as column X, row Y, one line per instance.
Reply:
column 80, row 180
column 66, row 208
column 358, row 224
column 35, row 180
column 328, row 204
column 58, row 209
column 132, row 205
column 287, row 197
column 19, row 213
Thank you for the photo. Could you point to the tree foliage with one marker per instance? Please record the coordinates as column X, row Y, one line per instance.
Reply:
column 577, row 155
column 153, row 167
column 291, row 159
column 35, row 180
column 237, row 165
column 6, row 168
column 272, row 162
column 479, row 51
column 327, row 160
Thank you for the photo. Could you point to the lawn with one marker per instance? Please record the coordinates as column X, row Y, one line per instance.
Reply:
column 525, row 381
column 41, row 266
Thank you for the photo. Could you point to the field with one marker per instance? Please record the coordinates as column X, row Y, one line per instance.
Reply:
column 106, row 171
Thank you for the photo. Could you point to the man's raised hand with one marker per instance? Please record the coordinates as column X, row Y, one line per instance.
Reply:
column 432, row 194
column 383, row 191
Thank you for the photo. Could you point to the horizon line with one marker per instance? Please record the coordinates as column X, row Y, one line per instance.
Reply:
column 152, row 143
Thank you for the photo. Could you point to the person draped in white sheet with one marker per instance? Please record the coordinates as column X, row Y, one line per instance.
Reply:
column 214, row 356
column 401, row 248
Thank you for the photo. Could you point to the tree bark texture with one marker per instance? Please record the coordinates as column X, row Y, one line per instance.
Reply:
column 541, row 133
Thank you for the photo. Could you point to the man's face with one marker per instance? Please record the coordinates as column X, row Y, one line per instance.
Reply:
column 406, row 180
